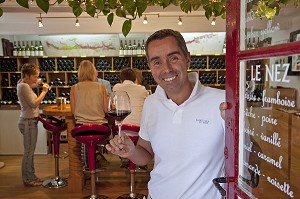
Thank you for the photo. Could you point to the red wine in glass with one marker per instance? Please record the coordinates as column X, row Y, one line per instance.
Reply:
column 119, row 107
column 119, row 115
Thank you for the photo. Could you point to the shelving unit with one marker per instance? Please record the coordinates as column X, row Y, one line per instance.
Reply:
column 61, row 72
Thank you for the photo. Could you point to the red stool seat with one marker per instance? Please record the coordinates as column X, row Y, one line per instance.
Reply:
column 55, row 126
column 132, row 132
column 91, row 135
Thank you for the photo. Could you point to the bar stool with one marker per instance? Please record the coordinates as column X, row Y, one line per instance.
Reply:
column 132, row 132
column 91, row 135
column 55, row 126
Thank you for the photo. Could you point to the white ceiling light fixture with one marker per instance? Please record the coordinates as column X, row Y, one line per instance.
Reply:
column 77, row 22
column 179, row 21
column 40, row 21
column 145, row 20
column 213, row 22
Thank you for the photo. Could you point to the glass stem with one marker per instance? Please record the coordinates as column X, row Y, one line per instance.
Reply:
column 119, row 127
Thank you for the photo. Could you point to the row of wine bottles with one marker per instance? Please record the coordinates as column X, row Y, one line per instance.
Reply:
column 132, row 48
column 28, row 50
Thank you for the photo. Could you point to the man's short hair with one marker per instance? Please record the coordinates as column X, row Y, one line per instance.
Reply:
column 127, row 74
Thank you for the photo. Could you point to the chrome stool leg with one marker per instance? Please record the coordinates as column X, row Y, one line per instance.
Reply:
column 56, row 182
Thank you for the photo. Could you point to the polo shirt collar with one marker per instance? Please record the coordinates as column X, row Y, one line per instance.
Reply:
column 128, row 82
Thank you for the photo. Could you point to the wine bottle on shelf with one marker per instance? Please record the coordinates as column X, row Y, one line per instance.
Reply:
column 253, row 44
column 134, row 48
column 121, row 49
column 19, row 49
column 31, row 49
column 224, row 48
column 23, row 49
column 27, row 49
column 125, row 48
column 139, row 48
column 129, row 48
column 143, row 48
column 36, row 49
column 15, row 49
column 41, row 50
column 249, row 45
column 258, row 43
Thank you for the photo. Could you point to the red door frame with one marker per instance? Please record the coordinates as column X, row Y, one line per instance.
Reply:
column 233, row 58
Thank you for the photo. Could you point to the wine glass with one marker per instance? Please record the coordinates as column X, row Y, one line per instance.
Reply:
column 119, row 107
column 40, row 82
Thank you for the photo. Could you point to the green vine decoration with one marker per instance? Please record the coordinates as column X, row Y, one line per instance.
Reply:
column 129, row 10
column 270, row 8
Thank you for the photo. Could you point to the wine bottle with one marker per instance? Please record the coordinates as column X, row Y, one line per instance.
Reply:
column 19, row 49
column 23, row 49
column 125, row 48
column 41, row 50
column 253, row 44
column 36, row 49
column 27, row 49
column 31, row 49
column 129, row 48
column 249, row 44
column 15, row 49
column 139, row 48
column 143, row 48
column 134, row 48
column 121, row 49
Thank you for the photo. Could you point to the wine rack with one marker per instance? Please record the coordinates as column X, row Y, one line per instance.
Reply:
column 61, row 73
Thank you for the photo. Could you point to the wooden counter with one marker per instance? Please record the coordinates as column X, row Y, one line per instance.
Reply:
column 76, row 178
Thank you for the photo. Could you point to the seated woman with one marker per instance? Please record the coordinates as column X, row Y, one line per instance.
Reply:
column 88, row 98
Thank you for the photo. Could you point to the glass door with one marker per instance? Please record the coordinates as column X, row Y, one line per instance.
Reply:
column 263, row 89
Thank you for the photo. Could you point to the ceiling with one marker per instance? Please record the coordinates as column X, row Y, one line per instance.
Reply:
column 21, row 21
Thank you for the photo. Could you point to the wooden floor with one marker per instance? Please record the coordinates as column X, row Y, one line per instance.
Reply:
column 112, row 181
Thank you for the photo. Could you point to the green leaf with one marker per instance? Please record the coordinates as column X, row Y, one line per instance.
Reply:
column 208, row 11
column 110, row 18
column 91, row 10
column 43, row 4
column 120, row 12
column 60, row 1
column 105, row 11
column 77, row 11
column 1, row 12
column 130, row 7
column 141, row 6
column 185, row 6
column 99, row 4
column 1, row 1
column 270, row 13
column 23, row 3
column 126, row 27
column 112, row 3
column 165, row 3
column 218, row 7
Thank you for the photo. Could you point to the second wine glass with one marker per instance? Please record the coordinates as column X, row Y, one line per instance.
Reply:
column 119, row 107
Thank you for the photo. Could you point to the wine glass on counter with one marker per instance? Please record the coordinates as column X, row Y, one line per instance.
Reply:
column 119, row 107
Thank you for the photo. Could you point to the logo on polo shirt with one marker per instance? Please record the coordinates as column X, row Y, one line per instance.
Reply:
column 202, row 121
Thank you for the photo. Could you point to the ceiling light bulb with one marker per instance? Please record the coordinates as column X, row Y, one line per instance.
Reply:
column 179, row 21
column 77, row 23
column 213, row 22
column 40, row 23
column 145, row 20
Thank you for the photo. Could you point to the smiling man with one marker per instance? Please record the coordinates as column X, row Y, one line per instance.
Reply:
column 181, row 128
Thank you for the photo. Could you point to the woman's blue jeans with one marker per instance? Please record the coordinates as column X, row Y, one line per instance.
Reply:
column 28, row 127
